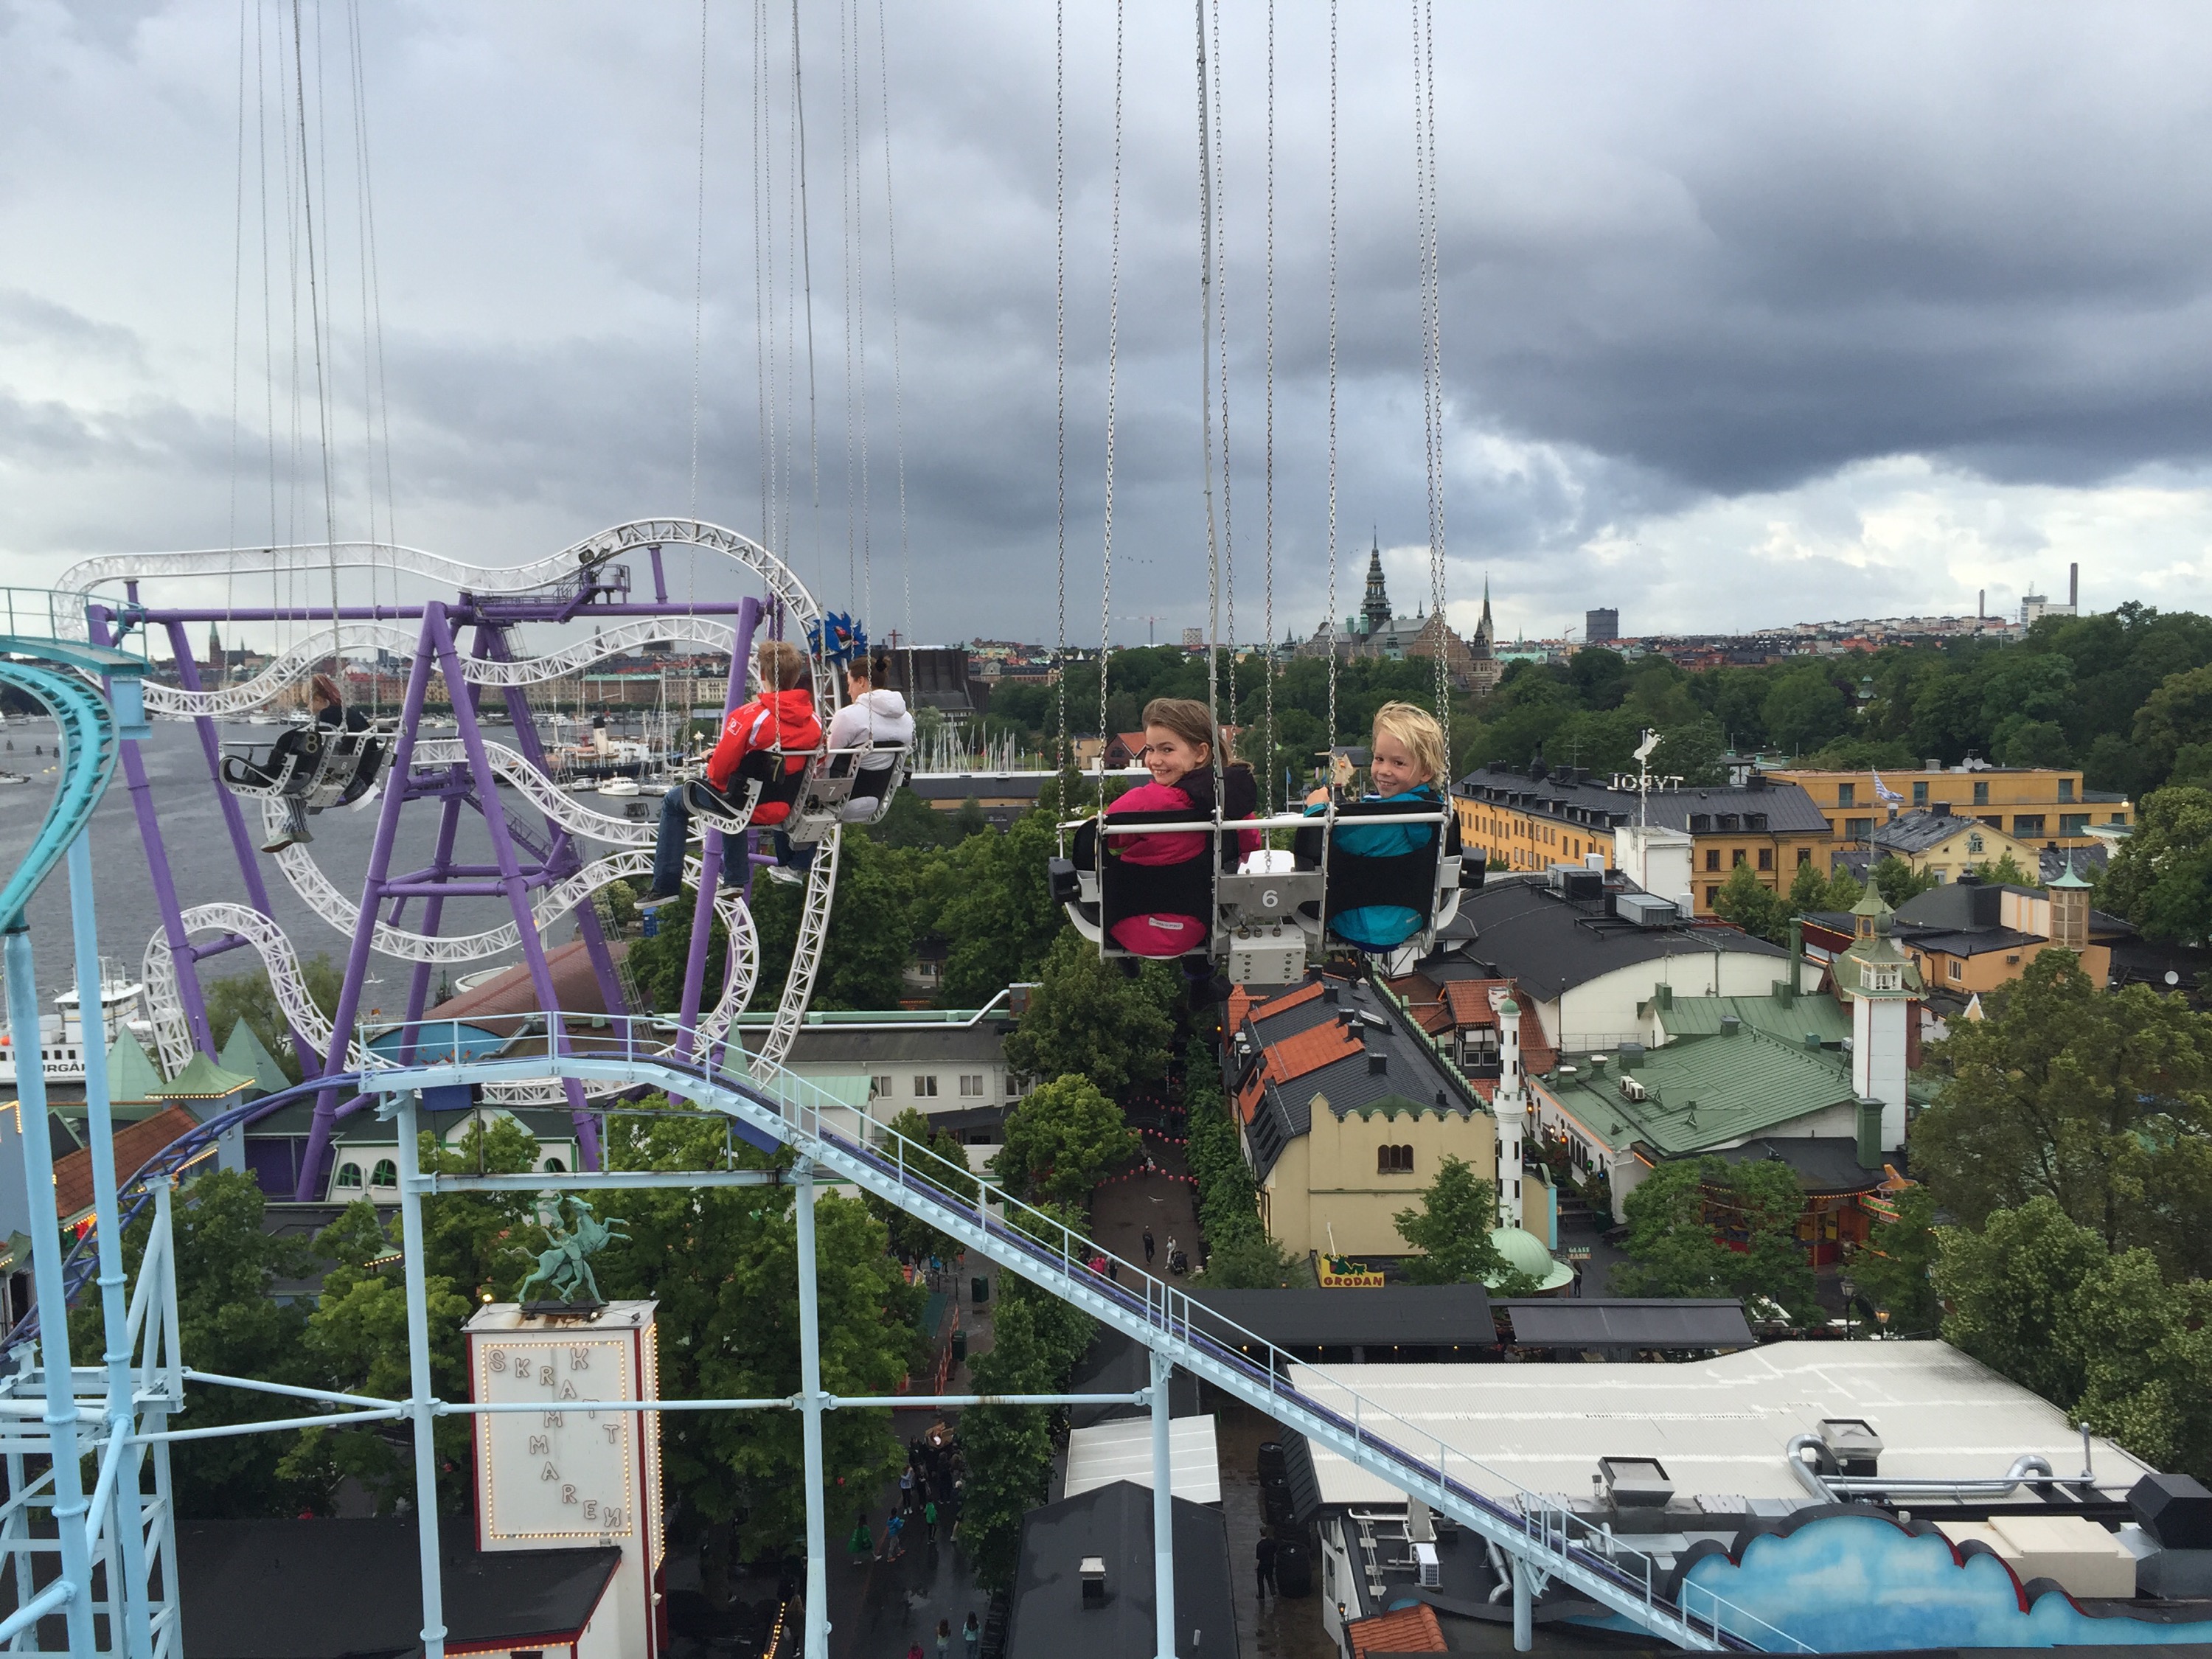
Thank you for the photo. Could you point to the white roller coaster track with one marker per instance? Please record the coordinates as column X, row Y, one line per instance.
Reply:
column 301, row 657
column 316, row 558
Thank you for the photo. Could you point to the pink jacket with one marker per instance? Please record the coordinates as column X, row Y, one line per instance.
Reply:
column 1165, row 935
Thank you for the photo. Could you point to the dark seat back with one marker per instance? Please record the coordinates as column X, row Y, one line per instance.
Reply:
column 1126, row 889
column 1357, row 881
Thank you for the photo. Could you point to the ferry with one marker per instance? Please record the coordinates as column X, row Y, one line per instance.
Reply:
column 61, row 1034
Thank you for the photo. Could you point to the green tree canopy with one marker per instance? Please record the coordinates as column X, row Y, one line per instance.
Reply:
column 1895, row 1267
column 1063, row 1139
column 2097, row 1100
column 1685, row 1215
column 911, row 1238
column 249, row 996
column 2160, row 878
column 1087, row 1018
column 1751, row 905
column 1451, row 1227
column 1898, row 881
column 1036, row 1342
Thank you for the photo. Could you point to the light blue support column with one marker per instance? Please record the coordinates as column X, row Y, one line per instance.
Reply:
column 127, row 1531
column 53, row 1300
column 810, row 1399
column 418, row 1370
column 1525, row 1606
column 1164, row 1600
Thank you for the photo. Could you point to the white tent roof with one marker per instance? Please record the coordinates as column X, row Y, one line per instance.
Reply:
column 1720, row 1425
column 1122, row 1450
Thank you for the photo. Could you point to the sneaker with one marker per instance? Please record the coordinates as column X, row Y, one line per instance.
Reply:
column 279, row 844
column 788, row 877
column 654, row 901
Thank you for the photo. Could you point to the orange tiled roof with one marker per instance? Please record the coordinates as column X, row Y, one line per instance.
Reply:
column 137, row 1144
column 1403, row 1630
column 1309, row 1050
column 1288, row 1000
column 1468, row 1003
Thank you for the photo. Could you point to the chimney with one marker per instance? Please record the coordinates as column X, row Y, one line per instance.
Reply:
column 1378, row 1062
column 1092, row 1571
column 1981, row 603
column 1730, row 1025
column 2074, row 588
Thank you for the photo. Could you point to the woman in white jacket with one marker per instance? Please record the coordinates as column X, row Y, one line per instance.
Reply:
column 870, row 717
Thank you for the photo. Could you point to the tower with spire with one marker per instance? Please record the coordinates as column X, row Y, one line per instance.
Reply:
column 1374, row 609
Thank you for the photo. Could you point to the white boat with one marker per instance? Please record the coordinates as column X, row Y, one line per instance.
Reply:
column 623, row 786
column 61, row 1034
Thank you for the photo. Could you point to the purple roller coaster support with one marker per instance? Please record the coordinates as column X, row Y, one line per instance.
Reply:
column 564, row 860
column 710, row 850
column 379, row 862
column 437, row 636
column 165, row 885
column 433, row 909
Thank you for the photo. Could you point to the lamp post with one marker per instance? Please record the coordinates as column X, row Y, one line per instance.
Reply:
column 1844, row 1283
column 1882, row 1317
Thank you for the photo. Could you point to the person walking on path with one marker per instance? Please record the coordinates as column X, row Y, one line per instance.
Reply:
column 1267, row 1565
column 1148, row 1247
column 1171, row 1249
column 906, row 1487
column 894, row 1538
column 929, row 1520
column 860, row 1544
column 973, row 1636
column 944, row 1637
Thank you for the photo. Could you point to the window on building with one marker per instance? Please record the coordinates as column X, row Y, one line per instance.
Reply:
column 925, row 1088
column 881, row 1085
column 2119, row 817
column 1394, row 1160
column 555, row 1166
column 1735, row 857
column 1766, row 858
column 1858, row 829
column 2028, row 823
column 1712, row 897
column 1847, row 794
column 1981, row 794
column 1712, row 858
column 1804, row 857
column 971, row 1084
column 386, row 1174
column 2066, row 789
column 1956, row 968
column 2073, row 824
column 1920, row 791
column 349, row 1175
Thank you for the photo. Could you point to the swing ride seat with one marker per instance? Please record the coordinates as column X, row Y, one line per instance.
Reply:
column 838, row 781
column 763, row 778
column 330, row 767
column 1426, row 880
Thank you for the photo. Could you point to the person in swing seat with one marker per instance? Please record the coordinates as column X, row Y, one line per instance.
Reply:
column 1406, row 758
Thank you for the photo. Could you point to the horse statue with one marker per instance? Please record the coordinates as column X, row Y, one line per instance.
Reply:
column 566, row 1266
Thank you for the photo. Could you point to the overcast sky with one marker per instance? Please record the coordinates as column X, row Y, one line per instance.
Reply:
column 1751, row 313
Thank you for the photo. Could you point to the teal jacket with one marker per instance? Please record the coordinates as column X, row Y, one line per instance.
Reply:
column 1383, row 926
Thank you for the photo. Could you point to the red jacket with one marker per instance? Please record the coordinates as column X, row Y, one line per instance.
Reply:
column 773, row 719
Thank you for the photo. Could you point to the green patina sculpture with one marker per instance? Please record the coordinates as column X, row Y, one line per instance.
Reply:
column 566, row 1265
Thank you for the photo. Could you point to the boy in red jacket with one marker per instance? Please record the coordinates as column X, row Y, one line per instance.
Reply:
column 782, row 717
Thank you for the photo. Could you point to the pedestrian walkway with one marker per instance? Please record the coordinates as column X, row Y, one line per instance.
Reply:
column 1162, row 1198
column 879, row 1609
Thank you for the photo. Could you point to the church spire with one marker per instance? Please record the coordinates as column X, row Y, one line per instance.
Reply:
column 1485, row 631
column 1374, row 609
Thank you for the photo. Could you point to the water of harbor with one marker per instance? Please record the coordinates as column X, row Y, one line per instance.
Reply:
column 203, row 864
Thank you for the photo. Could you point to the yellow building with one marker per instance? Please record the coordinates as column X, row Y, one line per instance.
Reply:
column 1950, row 846
column 1530, row 821
column 1348, row 1112
column 2038, row 807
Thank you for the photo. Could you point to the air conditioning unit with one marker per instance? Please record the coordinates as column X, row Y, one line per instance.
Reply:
column 1645, row 909
column 1631, row 1089
column 1432, row 1572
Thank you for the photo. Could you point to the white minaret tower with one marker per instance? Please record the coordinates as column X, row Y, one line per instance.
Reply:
column 1510, row 1105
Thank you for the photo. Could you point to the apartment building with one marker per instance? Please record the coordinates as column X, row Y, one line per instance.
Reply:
column 2042, row 807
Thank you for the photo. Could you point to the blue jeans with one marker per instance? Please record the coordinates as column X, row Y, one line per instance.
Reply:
column 791, row 857
column 668, row 848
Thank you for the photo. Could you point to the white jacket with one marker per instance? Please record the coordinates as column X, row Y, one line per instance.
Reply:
column 880, row 716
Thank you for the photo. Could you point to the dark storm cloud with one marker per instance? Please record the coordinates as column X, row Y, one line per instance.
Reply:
column 1737, row 258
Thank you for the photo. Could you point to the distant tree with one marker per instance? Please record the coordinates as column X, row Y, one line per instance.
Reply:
column 2008, row 1286
column 1895, row 1267
column 1451, row 1227
column 1898, row 881
column 1844, row 890
column 1250, row 1261
column 968, row 819
column 1858, row 754
column 1087, row 1018
column 2033, row 743
column 1237, row 1245
column 1063, row 1139
column 2176, row 715
column 248, row 996
column 227, row 1264
column 2007, row 872
column 1704, row 1227
column 1000, row 915
column 2160, row 878
column 1809, row 890
column 2101, row 1101
column 911, row 822
column 1751, row 905
column 1805, row 710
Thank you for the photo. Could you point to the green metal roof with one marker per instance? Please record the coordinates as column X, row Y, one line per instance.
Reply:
column 1810, row 1015
column 1704, row 1092
column 205, row 1080
column 133, row 1079
column 246, row 1055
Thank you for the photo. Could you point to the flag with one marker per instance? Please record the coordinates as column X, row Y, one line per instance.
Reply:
column 1884, row 791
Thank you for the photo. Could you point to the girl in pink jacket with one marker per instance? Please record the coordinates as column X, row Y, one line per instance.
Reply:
column 1179, row 742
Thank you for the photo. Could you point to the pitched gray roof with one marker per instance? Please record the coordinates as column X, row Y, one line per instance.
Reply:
column 1549, row 944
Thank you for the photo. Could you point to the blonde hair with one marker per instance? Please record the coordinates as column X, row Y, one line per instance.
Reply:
column 782, row 665
column 1187, row 718
column 1418, row 730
